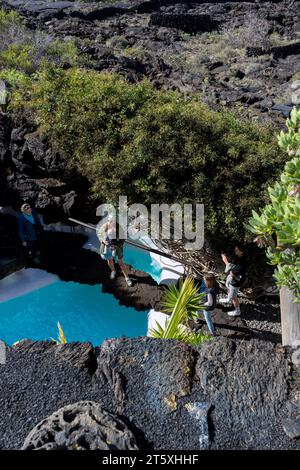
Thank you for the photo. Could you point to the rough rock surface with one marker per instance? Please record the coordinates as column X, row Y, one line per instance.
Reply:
column 80, row 355
column 11, row 255
column 80, row 426
column 227, row 394
column 30, row 169
column 225, row 381
column 168, row 42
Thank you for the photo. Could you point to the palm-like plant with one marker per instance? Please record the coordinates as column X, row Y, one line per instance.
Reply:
column 183, row 303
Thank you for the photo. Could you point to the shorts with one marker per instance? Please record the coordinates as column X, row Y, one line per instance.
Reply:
column 232, row 290
column 109, row 254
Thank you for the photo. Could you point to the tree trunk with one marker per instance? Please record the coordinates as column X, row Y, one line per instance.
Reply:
column 290, row 318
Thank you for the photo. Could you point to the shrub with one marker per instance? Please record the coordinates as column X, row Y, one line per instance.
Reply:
column 19, row 82
column 18, row 57
column 7, row 19
column 254, row 32
column 24, row 50
column 157, row 146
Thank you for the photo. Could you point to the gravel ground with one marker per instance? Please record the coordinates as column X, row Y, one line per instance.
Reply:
column 263, row 319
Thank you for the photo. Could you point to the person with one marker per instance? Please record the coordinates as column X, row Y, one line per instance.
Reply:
column 111, row 247
column 236, row 269
column 210, row 288
column 29, row 229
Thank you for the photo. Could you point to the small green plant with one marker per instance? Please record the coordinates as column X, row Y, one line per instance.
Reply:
column 61, row 337
column 19, row 57
column 183, row 304
column 19, row 85
column 278, row 226
column 9, row 18
column 25, row 50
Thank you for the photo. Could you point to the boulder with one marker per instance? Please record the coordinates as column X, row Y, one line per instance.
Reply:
column 158, row 372
column 5, row 129
column 295, row 92
column 190, row 23
column 284, row 51
column 246, row 381
column 292, row 428
column 81, row 426
column 278, row 52
column 11, row 255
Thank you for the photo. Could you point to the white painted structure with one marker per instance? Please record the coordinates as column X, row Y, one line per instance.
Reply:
column 24, row 281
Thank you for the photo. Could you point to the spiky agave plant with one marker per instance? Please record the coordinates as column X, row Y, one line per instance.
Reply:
column 61, row 337
column 183, row 303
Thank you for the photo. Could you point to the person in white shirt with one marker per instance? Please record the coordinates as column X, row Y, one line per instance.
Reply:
column 111, row 247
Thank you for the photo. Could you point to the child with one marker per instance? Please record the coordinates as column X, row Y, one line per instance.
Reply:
column 210, row 288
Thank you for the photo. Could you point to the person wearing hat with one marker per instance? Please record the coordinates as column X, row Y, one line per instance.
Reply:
column 29, row 228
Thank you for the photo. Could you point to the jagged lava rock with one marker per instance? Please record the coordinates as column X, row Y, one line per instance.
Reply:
column 81, row 426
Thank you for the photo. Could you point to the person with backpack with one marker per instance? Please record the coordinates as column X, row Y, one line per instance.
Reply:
column 111, row 247
column 29, row 230
column 236, row 269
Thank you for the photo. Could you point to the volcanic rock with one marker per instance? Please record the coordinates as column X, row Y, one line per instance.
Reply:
column 81, row 426
column 224, row 394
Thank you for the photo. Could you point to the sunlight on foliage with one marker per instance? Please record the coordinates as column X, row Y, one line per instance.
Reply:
column 183, row 304
column 61, row 338
column 278, row 225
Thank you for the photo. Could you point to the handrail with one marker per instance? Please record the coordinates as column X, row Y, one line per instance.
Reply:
column 138, row 245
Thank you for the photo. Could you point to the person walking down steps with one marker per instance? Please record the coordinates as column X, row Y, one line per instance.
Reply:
column 112, row 247
column 236, row 269
column 29, row 230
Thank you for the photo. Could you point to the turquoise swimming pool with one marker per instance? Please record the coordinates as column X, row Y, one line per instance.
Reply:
column 84, row 312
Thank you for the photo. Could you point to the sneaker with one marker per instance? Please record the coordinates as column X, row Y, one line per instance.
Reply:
column 234, row 313
column 224, row 300
column 129, row 281
column 113, row 275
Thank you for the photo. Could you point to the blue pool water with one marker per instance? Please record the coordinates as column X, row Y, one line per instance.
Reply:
column 142, row 261
column 84, row 312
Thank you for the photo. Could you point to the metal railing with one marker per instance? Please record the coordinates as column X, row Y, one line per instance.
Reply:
column 189, row 266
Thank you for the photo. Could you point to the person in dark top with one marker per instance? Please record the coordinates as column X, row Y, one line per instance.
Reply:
column 210, row 287
column 236, row 270
column 29, row 228
column 211, row 290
